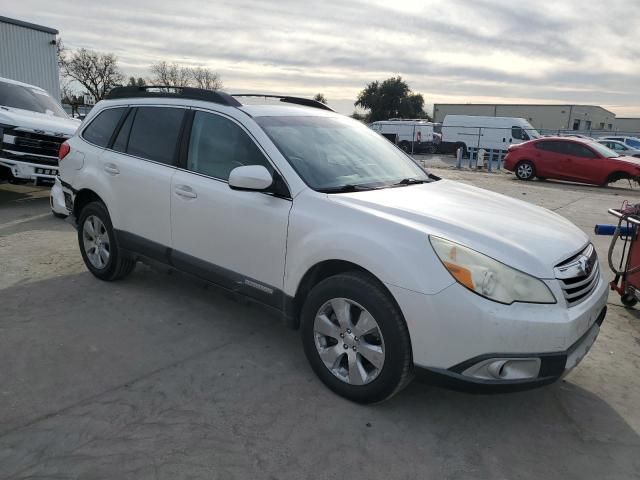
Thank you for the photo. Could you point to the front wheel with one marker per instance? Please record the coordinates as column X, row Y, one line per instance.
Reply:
column 355, row 338
column 98, row 244
column 525, row 170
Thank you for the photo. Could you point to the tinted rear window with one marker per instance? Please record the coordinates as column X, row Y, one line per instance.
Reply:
column 101, row 128
column 154, row 133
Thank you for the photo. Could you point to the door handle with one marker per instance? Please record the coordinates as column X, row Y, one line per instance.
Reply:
column 111, row 169
column 185, row 191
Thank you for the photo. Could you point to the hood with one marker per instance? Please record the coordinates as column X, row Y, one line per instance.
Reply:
column 38, row 121
column 524, row 236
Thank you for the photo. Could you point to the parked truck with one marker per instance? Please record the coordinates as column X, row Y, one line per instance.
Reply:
column 32, row 127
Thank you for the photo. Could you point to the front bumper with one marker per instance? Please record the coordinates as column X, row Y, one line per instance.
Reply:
column 553, row 366
column 453, row 331
column 30, row 171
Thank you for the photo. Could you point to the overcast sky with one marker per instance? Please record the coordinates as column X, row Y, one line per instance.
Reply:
column 559, row 51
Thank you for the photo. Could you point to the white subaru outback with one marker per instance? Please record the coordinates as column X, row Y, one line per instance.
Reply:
column 387, row 270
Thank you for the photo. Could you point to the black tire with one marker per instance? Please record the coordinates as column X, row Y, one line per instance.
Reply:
column 118, row 265
column 396, row 370
column 628, row 300
column 405, row 147
column 525, row 170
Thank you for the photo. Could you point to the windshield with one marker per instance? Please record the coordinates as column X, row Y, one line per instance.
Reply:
column 330, row 153
column 26, row 98
column 633, row 143
column 602, row 150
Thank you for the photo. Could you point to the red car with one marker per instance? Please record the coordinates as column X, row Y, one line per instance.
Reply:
column 573, row 159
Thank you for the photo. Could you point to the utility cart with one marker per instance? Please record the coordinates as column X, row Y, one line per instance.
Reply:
column 626, row 279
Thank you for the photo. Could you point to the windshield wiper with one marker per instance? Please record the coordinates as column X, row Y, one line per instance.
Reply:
column 410, row 181
column 347, row 188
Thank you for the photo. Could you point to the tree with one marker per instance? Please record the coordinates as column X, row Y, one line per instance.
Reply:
column 136, row 82
column 319, row 97
column 391, row 99
column 358, row 116
column 171, row 74
column 97, row 72
column 205, row 78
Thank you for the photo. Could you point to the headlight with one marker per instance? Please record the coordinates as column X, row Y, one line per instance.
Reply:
column 488, row 277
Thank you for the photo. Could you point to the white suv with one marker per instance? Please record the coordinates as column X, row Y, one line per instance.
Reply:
column 387, row 270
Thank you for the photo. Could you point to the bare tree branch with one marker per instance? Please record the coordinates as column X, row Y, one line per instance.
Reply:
column 205, row 78
column 97, row 72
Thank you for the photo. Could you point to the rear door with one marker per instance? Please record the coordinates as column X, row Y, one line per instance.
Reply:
column 138, row 167
column 549, row 156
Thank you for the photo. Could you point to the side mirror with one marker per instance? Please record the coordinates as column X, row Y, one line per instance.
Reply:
column 254, row 178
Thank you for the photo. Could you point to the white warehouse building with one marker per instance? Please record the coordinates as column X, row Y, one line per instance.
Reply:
column 28, row 54
column 541, row 116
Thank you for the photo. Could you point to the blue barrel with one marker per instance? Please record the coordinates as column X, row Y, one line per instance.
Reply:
column 604, row 229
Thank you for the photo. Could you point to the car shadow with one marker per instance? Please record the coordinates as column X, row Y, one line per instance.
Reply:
column 162, row 375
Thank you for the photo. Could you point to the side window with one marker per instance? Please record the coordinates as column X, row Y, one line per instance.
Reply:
column 218, row 145
column 518, row 133
column 552, row 146
column 578, row 150
column 121, row 141
column 101, row 128
column 154, row 133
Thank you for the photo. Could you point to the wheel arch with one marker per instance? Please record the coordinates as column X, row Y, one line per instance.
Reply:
column 321, row 271
column 82, row 198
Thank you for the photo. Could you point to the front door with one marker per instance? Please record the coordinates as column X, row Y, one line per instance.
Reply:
column 234, row 238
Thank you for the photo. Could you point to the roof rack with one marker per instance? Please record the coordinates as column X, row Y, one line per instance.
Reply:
column 164, row 91
column 307, row 102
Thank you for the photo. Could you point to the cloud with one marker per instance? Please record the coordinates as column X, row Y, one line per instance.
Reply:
column 449, row 50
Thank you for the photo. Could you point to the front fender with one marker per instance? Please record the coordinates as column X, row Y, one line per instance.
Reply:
column 396, row 253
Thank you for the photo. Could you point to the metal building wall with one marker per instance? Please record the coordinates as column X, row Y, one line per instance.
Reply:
column 27, row 55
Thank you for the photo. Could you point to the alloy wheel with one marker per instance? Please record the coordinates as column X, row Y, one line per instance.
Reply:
column 525, row 170
column 95, row 240
column 349, row 341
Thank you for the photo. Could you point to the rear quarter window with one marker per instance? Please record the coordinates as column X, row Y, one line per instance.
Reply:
column 101, row 128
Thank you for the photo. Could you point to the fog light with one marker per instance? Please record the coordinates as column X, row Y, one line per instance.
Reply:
column 504, row 369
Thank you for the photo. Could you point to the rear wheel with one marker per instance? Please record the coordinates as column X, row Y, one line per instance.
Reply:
column 355, row 338
column 405, row 147
column 525, row 170
column 98, row 245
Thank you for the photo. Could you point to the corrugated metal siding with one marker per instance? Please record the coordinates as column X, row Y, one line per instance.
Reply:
column 27, row 55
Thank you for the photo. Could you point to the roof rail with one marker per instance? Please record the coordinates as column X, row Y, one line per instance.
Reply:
column 165, row 91
column 307, row 102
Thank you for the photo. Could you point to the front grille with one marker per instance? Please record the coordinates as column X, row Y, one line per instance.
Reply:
column 579, row 275
column 31, row 146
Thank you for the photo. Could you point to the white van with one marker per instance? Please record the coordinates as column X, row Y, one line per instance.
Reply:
column 415, row 136
column 490, row 133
